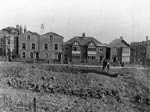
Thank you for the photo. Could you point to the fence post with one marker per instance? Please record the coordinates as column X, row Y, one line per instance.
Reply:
column 4, row 102
column 34, row 104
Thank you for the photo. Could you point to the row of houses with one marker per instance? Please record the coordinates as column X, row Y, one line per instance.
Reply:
column 18, row 43
column 27, row 45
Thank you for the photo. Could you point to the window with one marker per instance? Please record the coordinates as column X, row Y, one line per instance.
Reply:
column 66, row 48
column 91, row 49
column 101, row 57
column 28, row 37
column 51, row 37
column 8, row 40
column 23, row 54
column 45, row 46
column 33, row 45
column 126, row 50
column 101, row 49
column 31, row 54
column 76, row 56
column 37, row 55
column 23, row 45
column 46, row 55
column 56, row 46
column 91, row 57
column 74, row 48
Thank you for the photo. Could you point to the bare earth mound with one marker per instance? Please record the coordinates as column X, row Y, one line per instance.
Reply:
column 72, row 89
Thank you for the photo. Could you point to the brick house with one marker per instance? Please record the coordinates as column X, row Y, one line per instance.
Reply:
column 29, row 45
column 84, row 49
column 51, row 46
column 120, row 51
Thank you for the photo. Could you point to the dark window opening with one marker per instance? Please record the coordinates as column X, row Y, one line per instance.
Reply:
column 51, row 37
column 23, row 45
column 56, row 46
column 31, row 54
column 33, row 45
column 23, row 54
column 28, row 37
column 45, row 46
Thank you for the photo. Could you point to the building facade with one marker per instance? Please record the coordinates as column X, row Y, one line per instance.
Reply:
column 29, row 45
column 138, row 52
column 2, row 45
column 120, row 51
column 82, row 49
column 51, row 46
column 11, row 38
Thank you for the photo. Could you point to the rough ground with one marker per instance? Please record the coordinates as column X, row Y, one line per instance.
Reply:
column 72, row 89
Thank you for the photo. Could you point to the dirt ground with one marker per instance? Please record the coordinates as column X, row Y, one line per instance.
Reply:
column 56, row 88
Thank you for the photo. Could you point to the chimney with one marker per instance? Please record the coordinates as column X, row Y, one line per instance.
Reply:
column 146, row 38
column 83, row 35
column 25, row 28
column 121, row 37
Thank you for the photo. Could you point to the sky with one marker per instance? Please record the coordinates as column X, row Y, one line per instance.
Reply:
column 105, row 20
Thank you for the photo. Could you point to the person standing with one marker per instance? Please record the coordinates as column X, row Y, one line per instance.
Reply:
column 108, row 65
column 104, row 64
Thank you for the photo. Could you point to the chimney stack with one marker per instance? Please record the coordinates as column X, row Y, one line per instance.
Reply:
column 83, row 35
column 121, row 37
column 146, row 38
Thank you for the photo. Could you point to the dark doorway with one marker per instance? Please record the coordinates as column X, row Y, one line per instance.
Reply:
column 59, row 57
column 107, row 53
column 114, row 59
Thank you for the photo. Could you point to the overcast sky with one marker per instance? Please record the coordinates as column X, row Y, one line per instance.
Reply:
column 102, row 19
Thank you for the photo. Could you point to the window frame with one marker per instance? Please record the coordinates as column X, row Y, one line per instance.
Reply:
column 33, row 47
column 51, row 37
column 28, row 37
column 23, row 45
column 57, row 46
column 45, row 48
column 101, row 49
column 23, row 54
column 32, row 55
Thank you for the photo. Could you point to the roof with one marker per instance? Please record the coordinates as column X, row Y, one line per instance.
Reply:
column 30, row 33
column 52, row 33
column 34, row 33
column 10, row 30
column 83, row 41
column 2, row 34
column 118, row 43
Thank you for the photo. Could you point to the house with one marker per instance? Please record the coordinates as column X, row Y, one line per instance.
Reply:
column 2, row 44
column 29, row 45
column 84, row 49
column 11, row 38
column 138, row 52
column 120, row 51
column 50, row 46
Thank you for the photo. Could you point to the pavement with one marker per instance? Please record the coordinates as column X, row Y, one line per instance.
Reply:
column 95, row 66
column 84, row 65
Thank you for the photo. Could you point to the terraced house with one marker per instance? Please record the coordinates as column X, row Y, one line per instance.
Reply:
column 84, row 49
column 51, row 46
column 29, row 45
